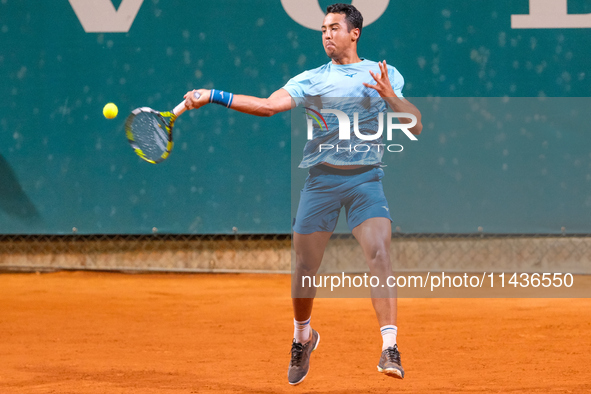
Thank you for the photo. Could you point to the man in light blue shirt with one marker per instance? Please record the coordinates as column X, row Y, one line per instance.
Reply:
column 341, row 86
column 338, row 178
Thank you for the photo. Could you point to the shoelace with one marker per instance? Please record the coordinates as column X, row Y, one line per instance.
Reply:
column 393, row 355
column 297, row 350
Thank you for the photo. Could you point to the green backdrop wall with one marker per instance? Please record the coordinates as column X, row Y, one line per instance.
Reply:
column 63, row 165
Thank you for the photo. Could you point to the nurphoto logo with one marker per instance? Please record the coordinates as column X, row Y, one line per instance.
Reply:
column 313, row 116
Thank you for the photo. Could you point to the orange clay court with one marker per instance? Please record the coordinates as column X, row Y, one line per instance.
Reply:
column 84, row 332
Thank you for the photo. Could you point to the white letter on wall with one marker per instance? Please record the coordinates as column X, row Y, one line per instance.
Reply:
column 100, row 16
column 550, row 14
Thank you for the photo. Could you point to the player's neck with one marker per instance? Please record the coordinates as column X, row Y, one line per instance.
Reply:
column 349, row 58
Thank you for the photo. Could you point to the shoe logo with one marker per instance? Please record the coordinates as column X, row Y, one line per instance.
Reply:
column 350, row 75
column 386, row 208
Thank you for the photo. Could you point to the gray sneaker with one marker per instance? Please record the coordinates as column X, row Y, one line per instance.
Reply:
column 300, row 359
column 390, row 363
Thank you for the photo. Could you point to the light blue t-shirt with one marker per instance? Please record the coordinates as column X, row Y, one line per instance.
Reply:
column 334, row 86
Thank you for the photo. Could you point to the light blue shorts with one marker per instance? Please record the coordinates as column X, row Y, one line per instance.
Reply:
column 327, row 190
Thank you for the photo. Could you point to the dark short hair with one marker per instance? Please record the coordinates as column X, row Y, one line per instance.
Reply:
column 352, row 15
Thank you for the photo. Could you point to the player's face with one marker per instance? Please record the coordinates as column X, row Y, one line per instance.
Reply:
column 336, row 37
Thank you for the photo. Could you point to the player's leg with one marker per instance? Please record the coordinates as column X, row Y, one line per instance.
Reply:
column 317, row 215
column 368, row 216
column 309, row 250
column 374, row 236
column 316, row 219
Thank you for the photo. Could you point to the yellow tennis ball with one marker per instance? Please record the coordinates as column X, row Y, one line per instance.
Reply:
column 110, row 111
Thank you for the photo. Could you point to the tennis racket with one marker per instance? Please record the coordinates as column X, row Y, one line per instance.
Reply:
column 149, row 132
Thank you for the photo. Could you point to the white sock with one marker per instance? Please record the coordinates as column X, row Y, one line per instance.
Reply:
column 301, row 331
column 389, row 336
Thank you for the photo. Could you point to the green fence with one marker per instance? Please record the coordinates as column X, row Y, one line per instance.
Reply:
column 63, row 166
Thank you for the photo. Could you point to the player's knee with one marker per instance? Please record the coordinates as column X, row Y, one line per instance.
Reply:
column 305, row 266
column 379, row 259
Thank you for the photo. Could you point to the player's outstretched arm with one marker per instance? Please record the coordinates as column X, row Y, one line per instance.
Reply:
column 384, row 88
column 279, row 101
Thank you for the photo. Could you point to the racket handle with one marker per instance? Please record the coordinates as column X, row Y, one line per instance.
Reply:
column 179, row 109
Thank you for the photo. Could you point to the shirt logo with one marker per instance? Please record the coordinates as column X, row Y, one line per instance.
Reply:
column 350, row 75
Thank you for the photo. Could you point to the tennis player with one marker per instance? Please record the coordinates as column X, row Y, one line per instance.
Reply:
column 336, row 179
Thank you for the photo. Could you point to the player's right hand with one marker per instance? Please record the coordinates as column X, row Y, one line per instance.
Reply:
column 193, row 103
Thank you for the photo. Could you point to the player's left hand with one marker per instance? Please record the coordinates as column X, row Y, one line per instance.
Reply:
column 383, row 85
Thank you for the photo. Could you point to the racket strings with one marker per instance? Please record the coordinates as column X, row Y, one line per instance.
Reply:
column 150, row 134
